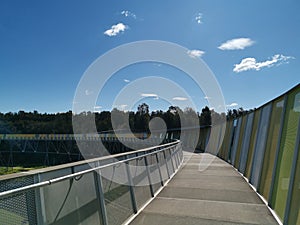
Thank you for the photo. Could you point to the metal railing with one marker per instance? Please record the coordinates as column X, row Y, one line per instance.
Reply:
column 108, row 190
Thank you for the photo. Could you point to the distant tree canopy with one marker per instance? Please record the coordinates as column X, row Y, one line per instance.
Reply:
column 61, row 123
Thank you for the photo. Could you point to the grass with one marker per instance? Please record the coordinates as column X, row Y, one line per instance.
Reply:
column 7, row 217
column 16, row 169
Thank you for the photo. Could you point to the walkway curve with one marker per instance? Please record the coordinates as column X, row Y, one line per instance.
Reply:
column 217, row 195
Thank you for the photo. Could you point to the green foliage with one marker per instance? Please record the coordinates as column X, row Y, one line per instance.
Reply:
column 16, row 169
column 61, row 123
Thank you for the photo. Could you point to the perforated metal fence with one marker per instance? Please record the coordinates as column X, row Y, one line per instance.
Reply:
column 79, row 193
column 19, row 208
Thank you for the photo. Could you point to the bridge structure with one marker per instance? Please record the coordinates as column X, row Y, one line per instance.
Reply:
column 54, row 149
column 249, row 174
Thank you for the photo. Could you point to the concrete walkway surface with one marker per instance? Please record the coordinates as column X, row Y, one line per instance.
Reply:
column 216, row 195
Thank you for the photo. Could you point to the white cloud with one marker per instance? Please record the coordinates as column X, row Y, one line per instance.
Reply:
column 87, row 92
column 198, row 18
column 195, row 53
column 234, row 104
column 97, row 108
column 238, row 43
column 180, row 99
column 252, row 64
column 127, row 13
column 121, row 107
column 149, row 95
column 127, row 81
column 157, row 64
column 116, row 29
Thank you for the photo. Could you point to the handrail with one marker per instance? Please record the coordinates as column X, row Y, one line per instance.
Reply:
column 29, row 200
column 102, row 158
column 6, row 194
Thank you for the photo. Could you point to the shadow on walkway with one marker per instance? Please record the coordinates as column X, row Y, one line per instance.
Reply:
column 216, row 195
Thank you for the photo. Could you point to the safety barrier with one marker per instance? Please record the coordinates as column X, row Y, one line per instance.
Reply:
column 107, row 190
column 264, row 146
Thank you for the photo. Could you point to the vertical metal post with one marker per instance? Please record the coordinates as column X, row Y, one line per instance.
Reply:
column 166, row 164
column 292, row 179
column 180, row 153
column 159, row 171
column 100, row 196
column 40, row 211
column 149, row 177
column 171, row 159
column 131, row 189
column 175, row 157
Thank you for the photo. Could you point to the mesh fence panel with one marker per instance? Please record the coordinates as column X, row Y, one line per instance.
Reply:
column 18, row 209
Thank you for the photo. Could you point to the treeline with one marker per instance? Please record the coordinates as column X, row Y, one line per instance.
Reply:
column 61, row 123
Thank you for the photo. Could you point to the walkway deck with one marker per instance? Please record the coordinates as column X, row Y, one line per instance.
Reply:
column 217, row 195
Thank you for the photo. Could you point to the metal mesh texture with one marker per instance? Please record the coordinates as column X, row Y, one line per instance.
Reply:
column 18, row 209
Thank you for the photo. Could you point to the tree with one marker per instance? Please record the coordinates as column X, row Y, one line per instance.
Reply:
column 143, row 109
column 205, row 117
column 142, row 118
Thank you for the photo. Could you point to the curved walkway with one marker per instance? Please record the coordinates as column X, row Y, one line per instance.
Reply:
column 216, row 195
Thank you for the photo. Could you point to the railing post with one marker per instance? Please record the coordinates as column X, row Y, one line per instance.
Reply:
column 181, row 153
column 171, row 159
column 100, row 196
column 166, row 162
column 175, row 157
column 159, row 171
column 131, row 189
column 178, row 155
column 149, row 177
column 38, row 201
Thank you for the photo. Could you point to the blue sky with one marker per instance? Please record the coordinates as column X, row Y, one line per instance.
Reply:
column 252, row 47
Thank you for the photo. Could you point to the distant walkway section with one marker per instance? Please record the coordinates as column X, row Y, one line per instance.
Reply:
column 216, row 195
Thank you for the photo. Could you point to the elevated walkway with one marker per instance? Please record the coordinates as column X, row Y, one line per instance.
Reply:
column 216, row 195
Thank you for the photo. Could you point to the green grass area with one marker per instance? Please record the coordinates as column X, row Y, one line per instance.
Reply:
column 16, row 169
column 7, row 217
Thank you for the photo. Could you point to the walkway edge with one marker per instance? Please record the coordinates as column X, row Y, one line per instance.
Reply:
column 130, row 219
column 261, row 197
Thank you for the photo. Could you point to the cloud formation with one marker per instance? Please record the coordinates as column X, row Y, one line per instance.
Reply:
column 116, row 29
column 234, row 104
column 127, row 13
column 179, row 98
column 88, row 92
column 122, row 107
column 252, row 64
column 236, row 44
column 195, row 53
column 198, row 18
column 97, row 108
column 149, row 95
